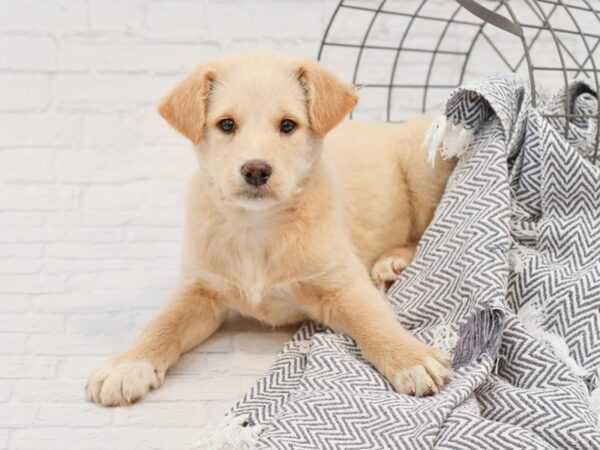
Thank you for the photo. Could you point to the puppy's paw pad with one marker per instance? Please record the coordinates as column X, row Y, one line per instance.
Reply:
column 123, row 382
column 385, row 271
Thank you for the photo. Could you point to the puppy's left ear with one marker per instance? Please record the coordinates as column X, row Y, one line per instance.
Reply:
column 184, row 108
column 329, row 98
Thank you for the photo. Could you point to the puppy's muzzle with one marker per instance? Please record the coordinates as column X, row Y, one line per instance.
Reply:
column 256, row 172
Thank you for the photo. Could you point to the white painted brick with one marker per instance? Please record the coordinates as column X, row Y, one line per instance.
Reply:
column 5, row 390
column 112, row 92
column 32, row 323
column 101, row 438
column 26, row 165
column 38, row 197
column 23, row 92
column 4, row 435
column 133, row 55
column 76, row 368
column 17, row 415
column 82, row 414
column 18, row 218
column 27, row 367
column 127, row 250
column 179, row 18
column 21, row 251
column 224, row 387
column 63, row 345
column 173, row 414
column 155, row 131
column 56, row 15
column 25, row 52
column 13, row 343
column 20, row 266
column 110, row 198
column 33, row 284
column 48, row 391
column 32, row 234
column 37, row 129
column 110, row 132
column 117, row 15
column 96, row 166
column 14, row 303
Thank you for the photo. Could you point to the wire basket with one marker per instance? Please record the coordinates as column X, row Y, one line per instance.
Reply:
column 407, row 54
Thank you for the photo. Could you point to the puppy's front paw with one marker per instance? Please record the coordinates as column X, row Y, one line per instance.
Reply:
column 419, row 371
column 122, row 381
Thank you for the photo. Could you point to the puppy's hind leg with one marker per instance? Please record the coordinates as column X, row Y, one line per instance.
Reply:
column 390, row 264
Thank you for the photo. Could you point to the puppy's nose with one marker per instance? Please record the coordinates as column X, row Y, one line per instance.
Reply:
column 256, row 172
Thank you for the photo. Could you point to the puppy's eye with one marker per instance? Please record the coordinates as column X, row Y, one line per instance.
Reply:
column 287, row 126
column 227, row 126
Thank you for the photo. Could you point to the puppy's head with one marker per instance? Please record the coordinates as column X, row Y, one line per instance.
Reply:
column 256, row 121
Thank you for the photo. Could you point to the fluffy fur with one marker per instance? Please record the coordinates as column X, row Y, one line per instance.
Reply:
column 342, row 212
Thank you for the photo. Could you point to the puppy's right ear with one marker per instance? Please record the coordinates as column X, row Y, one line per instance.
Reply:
column 184, row 108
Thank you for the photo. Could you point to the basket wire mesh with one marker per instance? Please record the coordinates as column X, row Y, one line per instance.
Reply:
column 406, row 54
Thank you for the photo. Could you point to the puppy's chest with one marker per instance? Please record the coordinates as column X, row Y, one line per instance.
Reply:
column 255, row 282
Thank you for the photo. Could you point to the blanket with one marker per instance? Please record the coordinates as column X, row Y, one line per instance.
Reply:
column 506, row 280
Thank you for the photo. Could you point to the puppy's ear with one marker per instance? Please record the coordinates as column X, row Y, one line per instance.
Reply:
column 184, row 108
column 329, row 99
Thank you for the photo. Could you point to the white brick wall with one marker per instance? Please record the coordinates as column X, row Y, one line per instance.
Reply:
column 91, row 189
column 91, row 193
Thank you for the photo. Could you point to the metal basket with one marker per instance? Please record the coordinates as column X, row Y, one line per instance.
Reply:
column 407, row 54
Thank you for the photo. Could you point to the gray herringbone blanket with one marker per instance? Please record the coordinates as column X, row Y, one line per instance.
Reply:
column 506, row 279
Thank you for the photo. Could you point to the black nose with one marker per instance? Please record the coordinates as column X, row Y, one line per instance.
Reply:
column 256, row 172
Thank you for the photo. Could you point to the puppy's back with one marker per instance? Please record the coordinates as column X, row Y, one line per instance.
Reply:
column 390, row 189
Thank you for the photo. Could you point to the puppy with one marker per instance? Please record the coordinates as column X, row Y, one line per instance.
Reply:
column 288, row 219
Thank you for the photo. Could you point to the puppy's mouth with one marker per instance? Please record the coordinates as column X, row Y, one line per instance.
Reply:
column 251, row 197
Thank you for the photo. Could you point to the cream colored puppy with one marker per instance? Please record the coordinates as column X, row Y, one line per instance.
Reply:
column 285, row 224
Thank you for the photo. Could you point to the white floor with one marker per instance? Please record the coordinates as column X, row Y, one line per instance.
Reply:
column 42, row 401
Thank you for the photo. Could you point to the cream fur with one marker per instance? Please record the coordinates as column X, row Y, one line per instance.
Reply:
column 333, row 211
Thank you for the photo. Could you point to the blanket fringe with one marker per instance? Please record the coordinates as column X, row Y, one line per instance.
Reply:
column 453, row 138
column 595, row 404
column 532, row 318
column 231, row 433
column 481, row 334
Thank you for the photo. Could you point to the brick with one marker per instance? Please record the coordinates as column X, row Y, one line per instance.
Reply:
column 26, row 165
column 19, row 218
column 33, row 284
column 27, row 367
column 20, row 266
column 111, row 198
column 19, row 92
column 5, row 390
column 32, row 322
column 47, row 391
column 137, row 56
column 21, row 52
column 21, row 251
column 17, row 415
column 127, row 250
column 37, row 129
column 31, row 234
column 13, row 343
column 111, row 131
column 12, row 303
column 82, row 414
column 108, row 92
column 39, row 197
column 101, row 438
column 57, row 15
column 117, row 15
